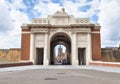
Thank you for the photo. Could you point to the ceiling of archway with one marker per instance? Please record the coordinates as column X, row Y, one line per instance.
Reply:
column 60, row 39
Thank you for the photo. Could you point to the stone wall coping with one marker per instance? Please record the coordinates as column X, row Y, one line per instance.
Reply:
column 15, row 62
column 101, row 62
column 11, row 49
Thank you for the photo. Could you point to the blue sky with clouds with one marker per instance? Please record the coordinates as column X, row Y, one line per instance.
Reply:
column 15, row 12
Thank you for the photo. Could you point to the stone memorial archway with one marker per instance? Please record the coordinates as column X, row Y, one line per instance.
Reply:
column 80, row 37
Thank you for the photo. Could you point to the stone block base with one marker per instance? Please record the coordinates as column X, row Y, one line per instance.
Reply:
column 109, row 64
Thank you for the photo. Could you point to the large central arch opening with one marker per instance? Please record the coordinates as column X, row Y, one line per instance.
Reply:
column 60, row 50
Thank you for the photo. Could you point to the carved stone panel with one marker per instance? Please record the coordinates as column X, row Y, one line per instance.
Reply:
column 39, row 37
column 81, row 40
column 81, row 37
column 61, row 21
column 81, row 44
column 82, row 20
column 79, row 30
column 39, row 44
column 39, row 30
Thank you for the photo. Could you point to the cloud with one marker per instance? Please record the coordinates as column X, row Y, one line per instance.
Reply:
column 5, row 22
column 41, row 9
column 11, row 20
column 109, row 18
column 78, row 8
column 85, row 8
column 103, row 11
column 16, row 4
column 16, row 12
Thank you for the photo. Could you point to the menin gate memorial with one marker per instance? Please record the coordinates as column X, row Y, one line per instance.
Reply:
column 80, row 37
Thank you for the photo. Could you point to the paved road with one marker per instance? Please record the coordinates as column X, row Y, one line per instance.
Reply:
column 59, row 76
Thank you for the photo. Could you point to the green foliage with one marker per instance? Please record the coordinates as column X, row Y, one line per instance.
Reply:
column 119, row 47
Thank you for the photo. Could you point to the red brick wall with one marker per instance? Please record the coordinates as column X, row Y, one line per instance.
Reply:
column 25, row 30
column 96, row 46
column 15, row 64
column 25, row 46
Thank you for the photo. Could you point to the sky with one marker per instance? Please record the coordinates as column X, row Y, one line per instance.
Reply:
column 13, row 13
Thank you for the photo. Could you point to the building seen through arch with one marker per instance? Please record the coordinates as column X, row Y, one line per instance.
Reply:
column 61, row 57
column 80, row 38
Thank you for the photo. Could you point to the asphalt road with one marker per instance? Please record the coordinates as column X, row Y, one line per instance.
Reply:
column 59, row 76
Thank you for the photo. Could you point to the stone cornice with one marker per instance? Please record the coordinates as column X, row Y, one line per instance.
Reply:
column 81, row 30
column 38, row 25
column 39, row 30
column 61, row 26
column 24, row 26
column 82, row 25
column 26, row 32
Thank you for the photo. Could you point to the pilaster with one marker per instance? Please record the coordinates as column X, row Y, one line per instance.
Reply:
column 32, row 45
column 45, row 61
column 89, row 49
column 74, row 50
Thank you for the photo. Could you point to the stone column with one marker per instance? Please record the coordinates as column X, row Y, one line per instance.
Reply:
column 74, row 50
column 89, row 49
column 45, row 61
column 32, row 45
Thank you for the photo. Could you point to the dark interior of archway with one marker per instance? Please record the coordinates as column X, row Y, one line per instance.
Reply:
column 58, row 40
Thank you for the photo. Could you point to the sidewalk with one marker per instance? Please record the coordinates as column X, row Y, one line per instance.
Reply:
column 99, row 68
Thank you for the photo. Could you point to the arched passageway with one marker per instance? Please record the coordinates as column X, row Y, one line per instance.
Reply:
column 63, row 58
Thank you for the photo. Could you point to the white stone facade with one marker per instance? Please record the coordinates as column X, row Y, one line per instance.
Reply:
column 78, row 30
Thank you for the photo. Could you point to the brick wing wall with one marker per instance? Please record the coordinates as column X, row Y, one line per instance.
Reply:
column 25, row 46
column 10, row 55
column 96, row 46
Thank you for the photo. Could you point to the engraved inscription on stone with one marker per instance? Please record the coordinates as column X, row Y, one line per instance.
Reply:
column 39, row 44
column 81, row 44
column 39, row 38
column 40, row 30
column 81, row 40
column 61, row 21
column 82, row 20
column 81, row 37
